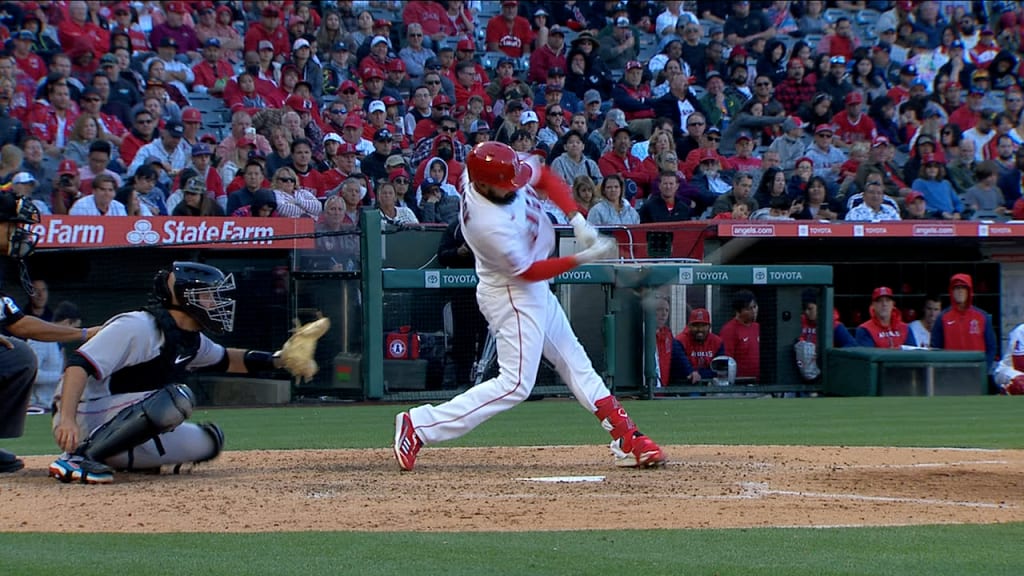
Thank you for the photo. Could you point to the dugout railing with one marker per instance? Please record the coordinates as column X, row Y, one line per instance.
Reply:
column 608, row 305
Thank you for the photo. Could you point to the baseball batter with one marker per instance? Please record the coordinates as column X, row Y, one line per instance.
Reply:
column 512, row 238
column 120, row 403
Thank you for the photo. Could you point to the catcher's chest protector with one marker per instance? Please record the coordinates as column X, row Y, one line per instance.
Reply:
column 179, row 348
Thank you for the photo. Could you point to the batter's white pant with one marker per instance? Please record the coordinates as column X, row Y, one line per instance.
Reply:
column 186, row 443
column 527, row 321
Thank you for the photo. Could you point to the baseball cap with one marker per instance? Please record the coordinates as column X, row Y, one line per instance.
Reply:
column 854, row 98
column 879, row 141
column 633, row 64
column 556, row 29
column 441, row 99
column 744, row 135
column 176, row 7
column 700, row 316
column 479, row 126
column 931, row 112
column 371, row 72
column 332, row 137
column 553, row 88
column 191, row 115
column 908, row 69
column 429, row 182
column 270, row 12
column 958, row 43
column 389, row 101
column 432, row 64
column 527, row 117
column 465, row 45
column 24, row 35
column 713, row 74
column 299, row 104
column 617, row 116
column 510, row 3
column 347, row 149
column 515, row 105
column 396, row 65
column 348, row 85
column 556, row 71
column 838, row 60
column 195, row 185
column 168, row 42
column 913, row 196
column 256, row 154
column 378, row 39
column 377, row 106
column 881, row 292
column 265, row 45
column 394, row 160
column 175, row 128
column 979, row 73
column 382, row 135
column 959, row 280
column 381, row 23
column 591, row 96
column 622, row 22
column 707, row 155
column 214, row 42
column 201, row 149
column 396, row 174
column 108, row 60
column 713, row 130
column 353, row 120
column 300, row 43
column 339, row 47
column 930, row 159
column 821, row 128
column 23, row 178
column 67, row 166
column 804, row 159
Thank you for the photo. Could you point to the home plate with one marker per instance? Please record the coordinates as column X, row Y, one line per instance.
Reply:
column 565, row 479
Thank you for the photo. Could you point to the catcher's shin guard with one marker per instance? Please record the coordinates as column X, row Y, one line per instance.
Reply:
column 159, row 412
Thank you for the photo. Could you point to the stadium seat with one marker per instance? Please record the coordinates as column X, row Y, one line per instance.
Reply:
column 868, row 16
column 833, row 14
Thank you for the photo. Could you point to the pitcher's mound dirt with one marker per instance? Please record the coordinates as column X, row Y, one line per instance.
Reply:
column 477, row 489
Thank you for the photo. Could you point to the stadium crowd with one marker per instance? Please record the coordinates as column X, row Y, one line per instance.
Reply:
column 653, row 110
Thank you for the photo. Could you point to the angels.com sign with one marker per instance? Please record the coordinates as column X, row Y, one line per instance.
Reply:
column 109, row 232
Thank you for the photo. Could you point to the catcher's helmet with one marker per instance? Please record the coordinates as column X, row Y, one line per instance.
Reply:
column 199, row 291
column 498, row 165
column 23, row 214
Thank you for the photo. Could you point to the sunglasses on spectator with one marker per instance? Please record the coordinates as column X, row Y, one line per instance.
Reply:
column 348, row 92
column 763, row 84
column 339, row 111
column 714, row 139
column 286, row 179
column 449, row 129
column 143, row 121
column 90, row 100
column 695, row 124
column 1013, row 100
column 401, row 180
column 414, row 35
column 433, row 82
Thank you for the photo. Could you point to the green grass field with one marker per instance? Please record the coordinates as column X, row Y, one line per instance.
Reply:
column 981, row 422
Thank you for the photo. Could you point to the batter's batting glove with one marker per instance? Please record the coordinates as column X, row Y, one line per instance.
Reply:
column 603, row 248
column 585, row 234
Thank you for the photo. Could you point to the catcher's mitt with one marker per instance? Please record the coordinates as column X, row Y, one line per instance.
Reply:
column 296, row 356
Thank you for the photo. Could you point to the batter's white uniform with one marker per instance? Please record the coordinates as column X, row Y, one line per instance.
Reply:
column 525, row 317
column 1012, row 363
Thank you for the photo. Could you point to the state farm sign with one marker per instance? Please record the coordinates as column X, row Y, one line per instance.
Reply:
column 100, row 231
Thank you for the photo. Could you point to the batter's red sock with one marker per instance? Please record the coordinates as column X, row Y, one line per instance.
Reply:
column 616, row 421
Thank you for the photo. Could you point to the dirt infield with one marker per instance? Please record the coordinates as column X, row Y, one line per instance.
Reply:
column 478, row 489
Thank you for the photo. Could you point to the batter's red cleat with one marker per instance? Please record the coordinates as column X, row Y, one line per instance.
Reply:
column 407, row 443
column 643, row 453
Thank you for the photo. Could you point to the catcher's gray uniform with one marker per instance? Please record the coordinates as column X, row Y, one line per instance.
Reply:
column 125, row 358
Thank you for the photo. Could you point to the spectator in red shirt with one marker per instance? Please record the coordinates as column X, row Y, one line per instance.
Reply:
column 853, row 125
column 214, row 72
column 842, row 42
column 122, row 24
column 113, row 129
column 466, row 85
column 700, row 344
column 52, row 122
column 143, row 132
column 175, row 27
column 269, row 28
column 550, row 55
column 31, row 64
column 619, row 160
column 510, row 33
column 431, row 16
column 741, row 336
column 77, row 25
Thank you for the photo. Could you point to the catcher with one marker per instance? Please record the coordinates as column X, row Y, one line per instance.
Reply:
column 121, row 405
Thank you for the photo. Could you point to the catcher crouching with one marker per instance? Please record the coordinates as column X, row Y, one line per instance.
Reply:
column 120, row 404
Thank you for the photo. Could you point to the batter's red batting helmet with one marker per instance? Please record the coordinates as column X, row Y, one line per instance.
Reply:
column 498, row 165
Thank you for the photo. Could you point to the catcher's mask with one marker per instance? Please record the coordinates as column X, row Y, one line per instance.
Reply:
column 724, row 368
column 23, row 215
column 198, row 291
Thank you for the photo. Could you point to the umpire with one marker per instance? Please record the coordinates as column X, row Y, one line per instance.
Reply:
column 17, row 361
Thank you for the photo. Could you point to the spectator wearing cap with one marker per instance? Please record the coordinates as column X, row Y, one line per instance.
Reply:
column 209, row 25
column 886, row 328
column 836, row 83
column 915, row 207
column 465, row 51
column 901, row 91
column 442, row 164
column 743, row 26
column 202, row 162
column 120, row 24
column 852, row 124
column 744, row 159
column 886, row 67
column 841, row 42
column 672, row 19
column 308, row 68
column 956, row 66
column 620, row 46
column 192, row 199
column 791, row 144
column 716, row 103
column 587, row 71
column 271, row 29
column 212, row 74
column 373, row 86
column 338, row 69
column 374, row 165
column 52, row 121
column 78, row 28
column 436, row 206
column 122, row 90
column 509, row 32
column 700, row 344
column 398, row 81
column 186, row 39
column 827, row 158
column 937, row 190
column 415, row 54
column 66, row 187
column 169, row 150
column 985, row 51
column 28, row 62
column 633, row 96
column 619, row 160
column 881, row 159
column 176, row 72
column 552, row 54
column 379, row 55
column 796, row 89
column 377, row 120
